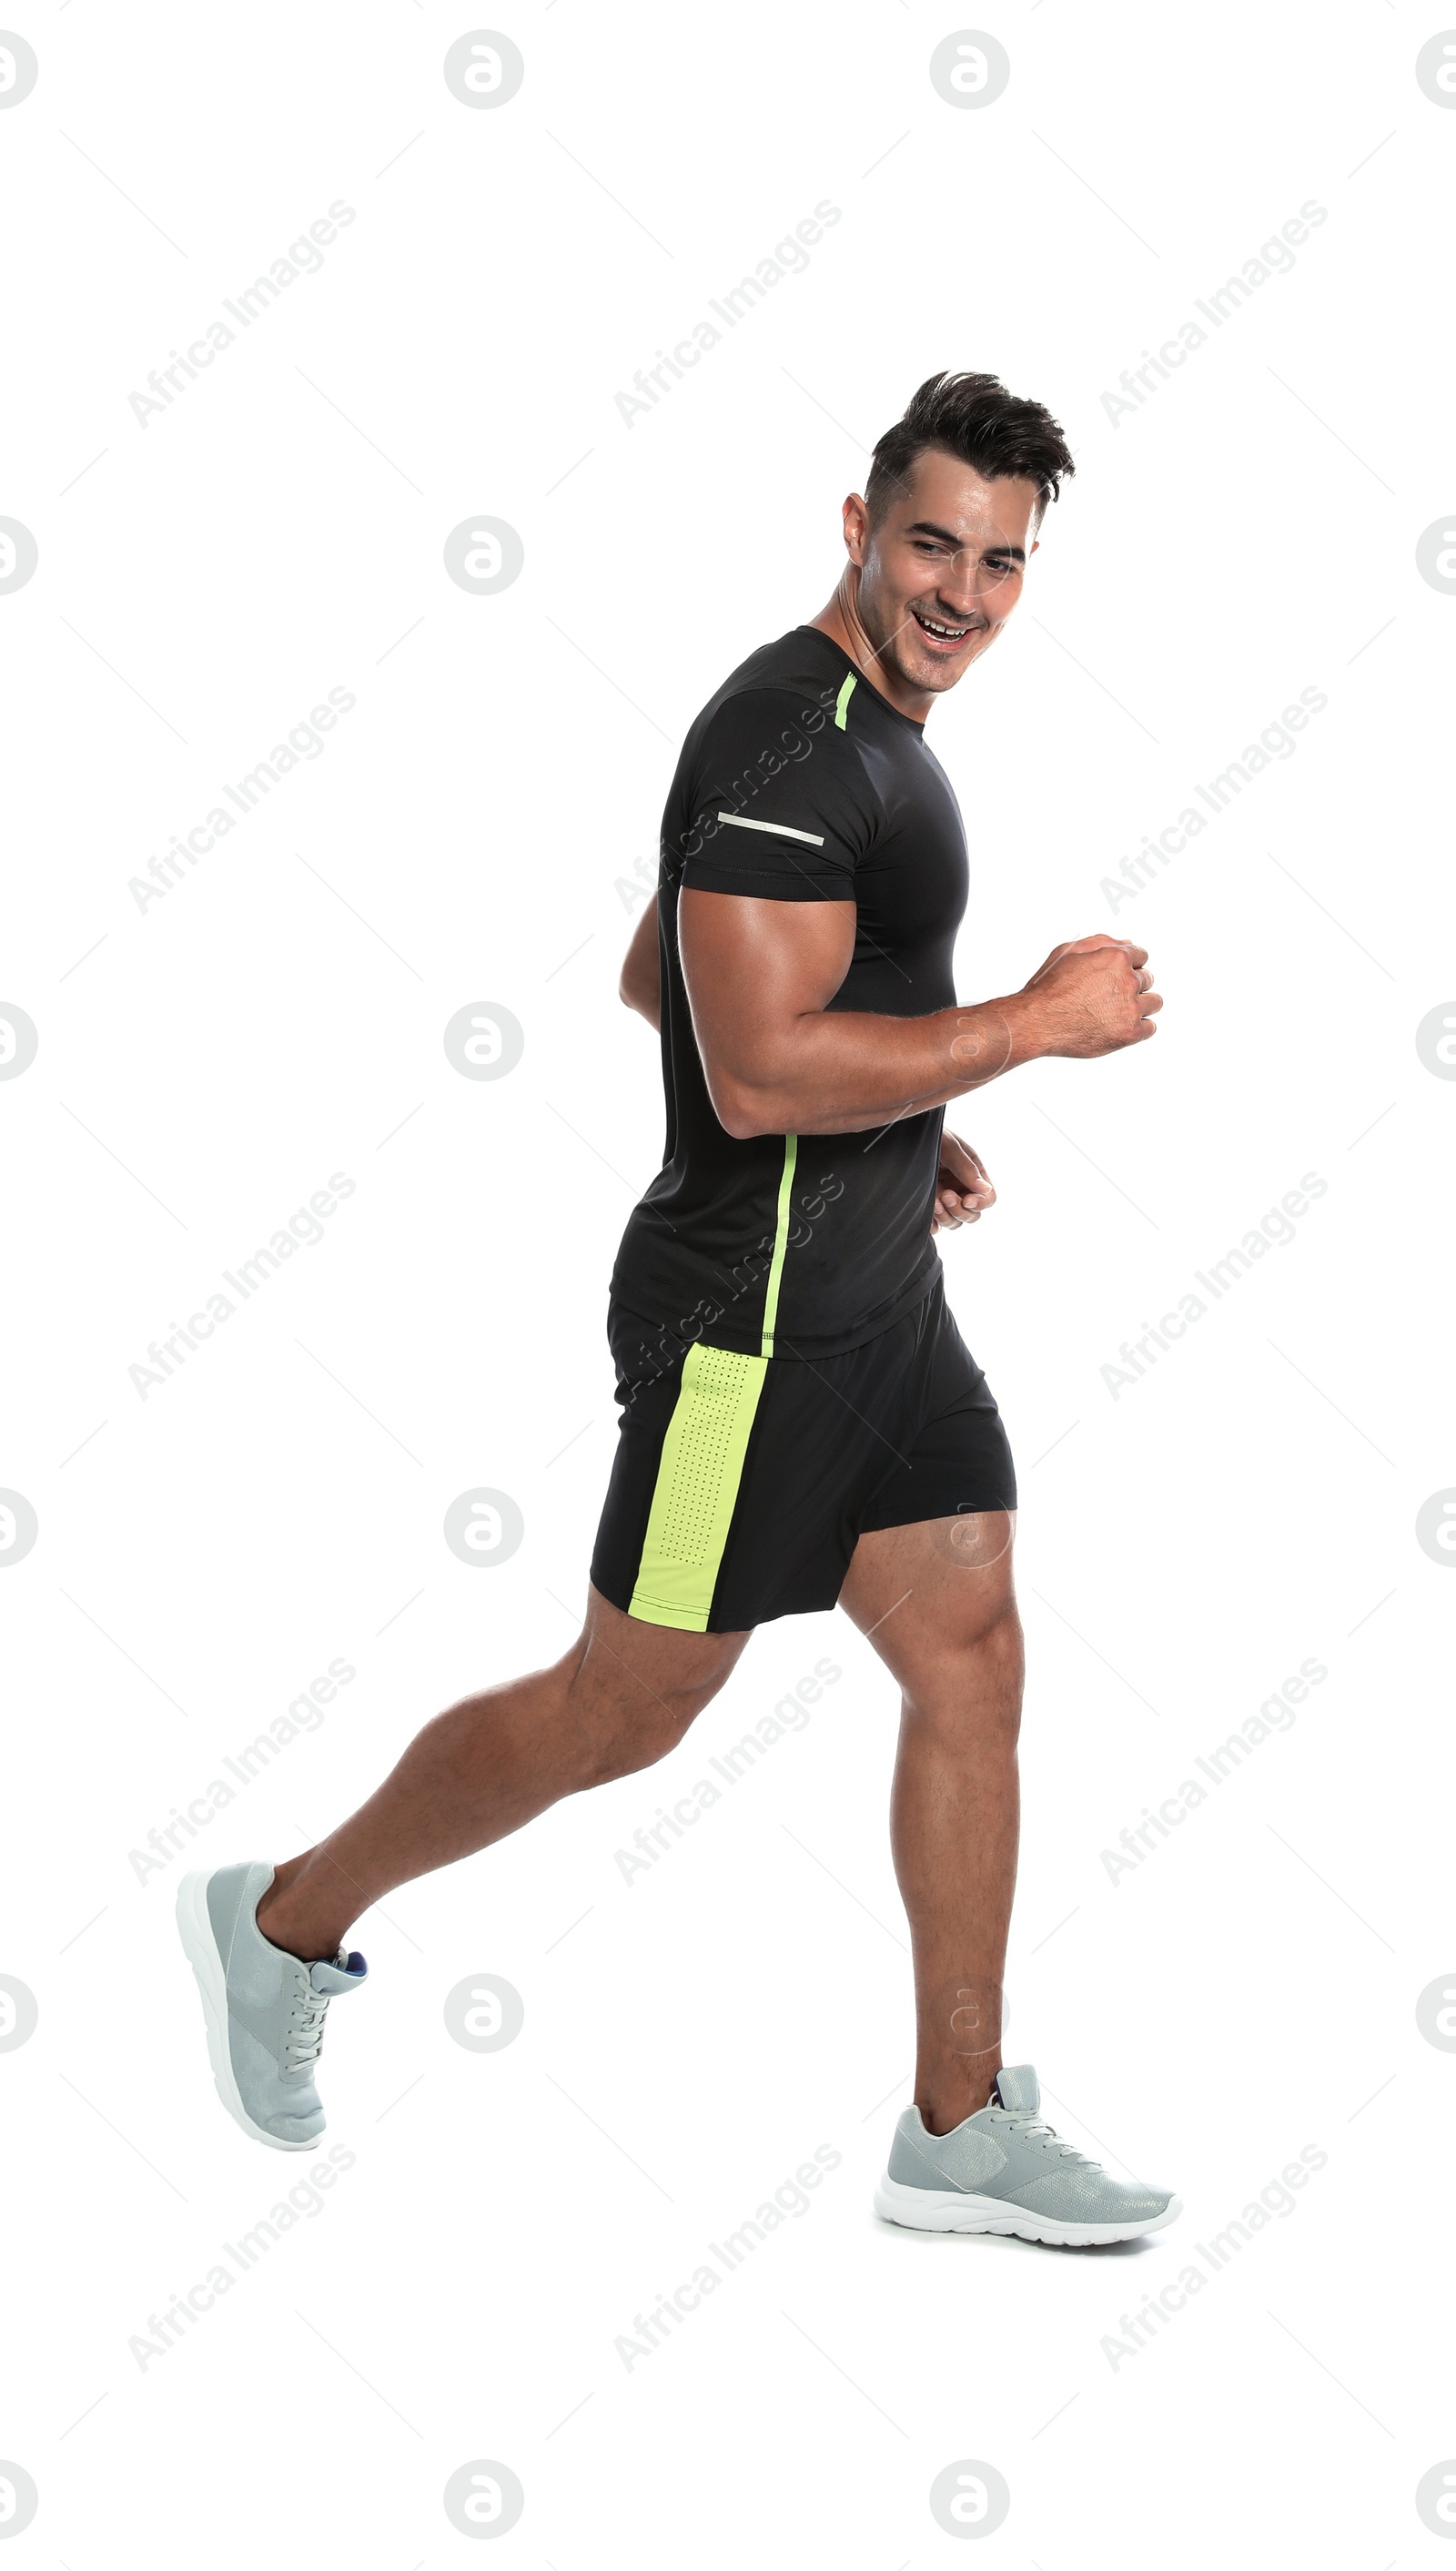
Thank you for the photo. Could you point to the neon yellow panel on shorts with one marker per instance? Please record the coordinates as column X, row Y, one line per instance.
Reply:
column 696, row 1489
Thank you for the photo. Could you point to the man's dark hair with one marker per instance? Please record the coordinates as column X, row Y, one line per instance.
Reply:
column 976, row 418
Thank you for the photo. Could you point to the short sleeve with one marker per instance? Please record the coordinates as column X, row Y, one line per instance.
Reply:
column 782, row 806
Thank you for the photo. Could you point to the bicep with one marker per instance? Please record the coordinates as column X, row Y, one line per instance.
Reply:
column 752, row 968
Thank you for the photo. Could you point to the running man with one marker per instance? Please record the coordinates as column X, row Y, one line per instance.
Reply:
column 801, row 1423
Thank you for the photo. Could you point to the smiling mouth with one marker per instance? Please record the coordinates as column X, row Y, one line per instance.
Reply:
column 936, row 631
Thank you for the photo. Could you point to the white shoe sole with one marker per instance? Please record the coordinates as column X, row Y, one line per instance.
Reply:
column 928, row 2209
column 194, row 1928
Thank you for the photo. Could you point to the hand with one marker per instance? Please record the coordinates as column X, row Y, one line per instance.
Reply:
column 1092, row 997
column 962, row 1189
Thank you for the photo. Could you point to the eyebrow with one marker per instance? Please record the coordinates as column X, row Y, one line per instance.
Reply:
column 948, row 536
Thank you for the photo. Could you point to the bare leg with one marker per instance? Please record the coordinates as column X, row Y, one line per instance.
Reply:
column 621, row 1698
column 936, row 1600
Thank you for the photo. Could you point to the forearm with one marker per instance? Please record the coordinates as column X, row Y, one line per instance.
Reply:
column 639, row 988
column 645, row 1000
column 843, row 1072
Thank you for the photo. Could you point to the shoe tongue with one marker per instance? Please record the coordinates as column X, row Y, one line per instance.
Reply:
column 342, row 1974
column 1017, row 2089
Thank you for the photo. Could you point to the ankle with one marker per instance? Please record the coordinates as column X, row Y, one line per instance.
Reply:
column 946, row 2103
column 288, row 1919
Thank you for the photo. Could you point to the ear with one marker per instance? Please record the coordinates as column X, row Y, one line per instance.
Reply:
column 856, row 530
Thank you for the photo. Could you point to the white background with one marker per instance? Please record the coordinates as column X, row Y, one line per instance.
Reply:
column 208, row 1061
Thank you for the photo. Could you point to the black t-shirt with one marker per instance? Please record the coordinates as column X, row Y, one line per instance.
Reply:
column 798, row 781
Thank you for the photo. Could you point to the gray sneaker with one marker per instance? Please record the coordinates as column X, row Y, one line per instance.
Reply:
column 1004, row 2170
column 264, row 2009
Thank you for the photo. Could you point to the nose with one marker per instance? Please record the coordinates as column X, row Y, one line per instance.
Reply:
column 970, row 586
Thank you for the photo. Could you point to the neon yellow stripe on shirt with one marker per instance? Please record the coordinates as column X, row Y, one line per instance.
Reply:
column 780, row 1244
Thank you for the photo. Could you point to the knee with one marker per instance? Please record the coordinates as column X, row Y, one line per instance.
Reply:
column 970, row 1690
column 996, row 1634
column 629, row 1726
column 980, row 1634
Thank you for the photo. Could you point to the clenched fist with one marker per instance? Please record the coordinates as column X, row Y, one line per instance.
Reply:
column 1091, row 997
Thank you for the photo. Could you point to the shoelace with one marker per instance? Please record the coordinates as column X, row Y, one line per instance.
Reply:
column 1033, row 2128
column 304, row 2039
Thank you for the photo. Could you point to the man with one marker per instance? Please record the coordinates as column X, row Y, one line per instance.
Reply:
column 800, row 1421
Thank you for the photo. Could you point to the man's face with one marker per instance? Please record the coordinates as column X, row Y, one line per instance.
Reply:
column 942, row 570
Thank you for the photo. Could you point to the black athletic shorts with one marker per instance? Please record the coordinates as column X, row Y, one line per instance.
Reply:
column 742, row 1484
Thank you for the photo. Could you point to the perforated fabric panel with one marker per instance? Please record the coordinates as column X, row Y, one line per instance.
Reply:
column 703, row 1458
column 697, row 1487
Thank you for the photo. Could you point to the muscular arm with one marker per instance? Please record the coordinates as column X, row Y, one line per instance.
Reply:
column 760, row 975
column 638, row 986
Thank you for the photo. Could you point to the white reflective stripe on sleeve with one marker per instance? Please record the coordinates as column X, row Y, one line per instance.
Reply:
column 775, row 829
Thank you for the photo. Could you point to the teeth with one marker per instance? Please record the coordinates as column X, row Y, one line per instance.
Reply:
column 951, row 633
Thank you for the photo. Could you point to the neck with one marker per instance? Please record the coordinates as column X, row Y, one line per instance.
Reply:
column 843, row 624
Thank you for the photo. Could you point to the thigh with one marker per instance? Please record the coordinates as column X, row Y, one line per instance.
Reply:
column 629, row 1658
column 921, row 1593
